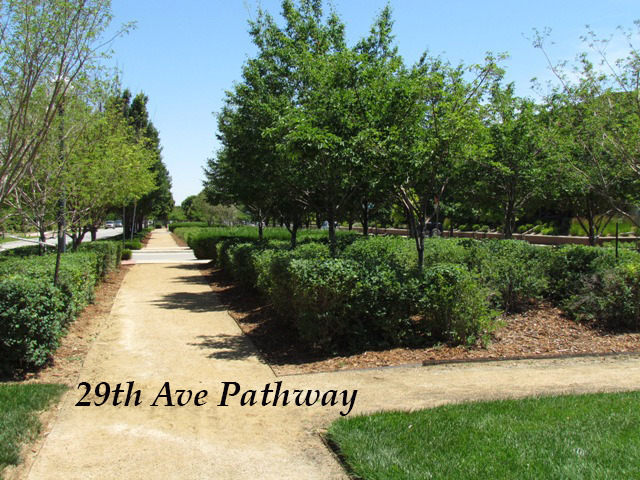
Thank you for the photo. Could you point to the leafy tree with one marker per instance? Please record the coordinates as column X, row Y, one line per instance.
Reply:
column 46, row 49
column 595, row 125
column 513, row 174
column 187, row 208
column 158, row 203
column 442, row 133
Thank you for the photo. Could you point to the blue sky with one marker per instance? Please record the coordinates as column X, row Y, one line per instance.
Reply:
column 184, row 55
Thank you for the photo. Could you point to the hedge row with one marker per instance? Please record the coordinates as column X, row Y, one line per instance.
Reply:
column 175, row 225
column 370, row 296
column 34, row 313
column 373, row 295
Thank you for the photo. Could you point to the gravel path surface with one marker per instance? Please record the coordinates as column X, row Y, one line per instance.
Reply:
column 167, row 326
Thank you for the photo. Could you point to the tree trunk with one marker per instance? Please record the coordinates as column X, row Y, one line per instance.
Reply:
column 294, row 234
column 332, row 230
column 365, row 220
column 509, row 219
column 318, row 221
column 43, row 238
column 78, row 237
column 94, row 233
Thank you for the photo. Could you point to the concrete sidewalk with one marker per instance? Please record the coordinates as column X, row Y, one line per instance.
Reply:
column 167, row 326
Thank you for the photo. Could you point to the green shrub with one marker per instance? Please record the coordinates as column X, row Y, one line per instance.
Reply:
column 514, row 271
column 33, row 316
column 126, row 254
column 397, row 253
column 475, row 227
column 133, row 245
column 241, row 262
column 203, row 245
column 569, row 265
column 324, row 295
column 175, row 225
column 445, row 250
column 453, row 305
column 108, row 253
column 158, row 225
column 609, row 297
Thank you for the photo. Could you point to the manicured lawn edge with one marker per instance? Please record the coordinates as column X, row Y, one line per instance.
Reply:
column 572, row 436
column 20, row 405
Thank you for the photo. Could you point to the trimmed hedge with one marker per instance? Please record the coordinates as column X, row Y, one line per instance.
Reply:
column 175, row 225
column 33, row 313
column 371, row 294
column 453, row 305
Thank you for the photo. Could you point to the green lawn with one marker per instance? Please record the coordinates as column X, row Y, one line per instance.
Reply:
column 566, row 437
column 19, row 405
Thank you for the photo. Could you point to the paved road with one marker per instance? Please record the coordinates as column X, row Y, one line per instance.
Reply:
column 102, row 233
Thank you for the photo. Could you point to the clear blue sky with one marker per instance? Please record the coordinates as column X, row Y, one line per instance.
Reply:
column 184, row 55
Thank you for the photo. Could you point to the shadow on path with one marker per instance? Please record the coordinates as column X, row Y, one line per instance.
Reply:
column 193, row 302
column 226, row 347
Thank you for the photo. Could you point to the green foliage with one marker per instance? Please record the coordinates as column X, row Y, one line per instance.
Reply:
column 325, row 295
column 175, row 225
column 126, row 254
column 396, row 253
column 133, row 245
column 34, row 313
column 570, row 265
column 33, row 317
column 515, row 271
column 108, row 253
column 609, row 297
column 453, row 305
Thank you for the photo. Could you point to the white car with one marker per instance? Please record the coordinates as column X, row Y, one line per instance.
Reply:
column 110, row 224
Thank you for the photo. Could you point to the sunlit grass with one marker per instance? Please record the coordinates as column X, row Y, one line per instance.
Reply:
column 568, row 437
column 19, row 405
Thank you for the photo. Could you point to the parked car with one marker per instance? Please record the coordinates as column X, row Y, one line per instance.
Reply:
column 118, row 223
column 110, row 224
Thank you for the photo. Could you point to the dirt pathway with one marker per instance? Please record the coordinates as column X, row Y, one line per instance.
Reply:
column 167, row 326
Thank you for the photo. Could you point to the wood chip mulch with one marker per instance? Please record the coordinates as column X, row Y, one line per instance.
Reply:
column 541, row 331
column 67, row 361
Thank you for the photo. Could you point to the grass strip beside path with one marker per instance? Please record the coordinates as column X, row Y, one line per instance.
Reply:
column 19, row 423
column 568, row 437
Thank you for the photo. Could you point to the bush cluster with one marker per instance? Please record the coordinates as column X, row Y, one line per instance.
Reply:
column 34, row 313
column 371, row 293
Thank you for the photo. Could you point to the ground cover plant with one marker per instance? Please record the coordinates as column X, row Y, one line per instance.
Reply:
column 19, row 405
column 570, row 437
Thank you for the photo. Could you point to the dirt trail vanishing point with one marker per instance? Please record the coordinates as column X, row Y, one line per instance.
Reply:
column 167, row 326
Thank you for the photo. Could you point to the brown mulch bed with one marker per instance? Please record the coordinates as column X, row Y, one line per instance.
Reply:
column 68, row 359
column 541, row 331
column 178, row 240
